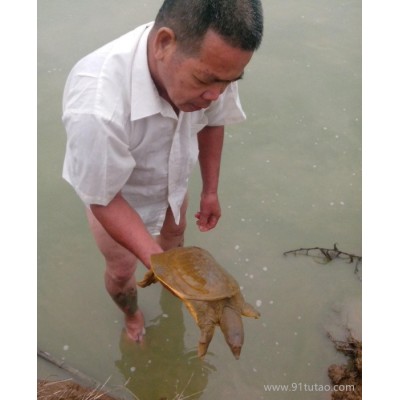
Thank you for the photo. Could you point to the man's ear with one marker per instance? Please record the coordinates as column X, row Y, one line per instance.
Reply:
column 164, row 43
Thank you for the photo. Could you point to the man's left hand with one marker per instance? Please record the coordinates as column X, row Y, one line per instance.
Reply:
column 210, row 212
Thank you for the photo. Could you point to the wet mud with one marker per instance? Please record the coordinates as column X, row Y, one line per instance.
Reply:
column 347, row 378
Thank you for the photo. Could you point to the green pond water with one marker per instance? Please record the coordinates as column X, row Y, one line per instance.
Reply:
column 291, row 177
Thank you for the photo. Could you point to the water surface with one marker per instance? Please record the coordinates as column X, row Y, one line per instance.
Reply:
column 290, row 178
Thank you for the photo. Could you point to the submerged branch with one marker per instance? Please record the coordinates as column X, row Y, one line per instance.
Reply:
column 328, row 254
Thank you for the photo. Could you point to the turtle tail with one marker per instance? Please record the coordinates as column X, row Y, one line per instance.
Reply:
column 232, row 328
column 249, row 311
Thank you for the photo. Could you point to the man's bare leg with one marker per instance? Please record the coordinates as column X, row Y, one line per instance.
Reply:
column 121, row 264
column 172, row 235
column 119, row 278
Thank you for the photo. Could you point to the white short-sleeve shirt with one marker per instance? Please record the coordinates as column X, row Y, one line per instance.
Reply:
column 122, row 136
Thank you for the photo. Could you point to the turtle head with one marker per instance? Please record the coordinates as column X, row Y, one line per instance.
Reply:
column 232, row 328
column 148, row 279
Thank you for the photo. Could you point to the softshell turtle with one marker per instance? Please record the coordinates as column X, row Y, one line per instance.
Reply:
column 210, row 293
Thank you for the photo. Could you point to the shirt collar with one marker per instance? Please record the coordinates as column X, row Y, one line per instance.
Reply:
column 145, row 100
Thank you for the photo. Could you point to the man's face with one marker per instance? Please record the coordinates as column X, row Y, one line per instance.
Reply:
column 191, row 83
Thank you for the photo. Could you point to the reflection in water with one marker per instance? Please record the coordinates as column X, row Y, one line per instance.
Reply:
column 151, row 376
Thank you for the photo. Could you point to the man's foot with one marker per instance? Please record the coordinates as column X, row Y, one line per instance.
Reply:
column 134, row 326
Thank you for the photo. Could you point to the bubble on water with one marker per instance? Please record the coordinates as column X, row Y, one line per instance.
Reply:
column 165, row 315
column 237, row 247
column 342, row 203
column 258, row 303
column 271, row 302
column 66, row 347
column 132, row 369
column 299, row 317
column 254, row 369
column 332, row 203
column 251, row 276
column 149, row 362
column 265, row 268
column 276, row 343
column 295, row 333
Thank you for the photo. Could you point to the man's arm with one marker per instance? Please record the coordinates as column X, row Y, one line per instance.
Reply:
column 211, row 139
column 126, row 227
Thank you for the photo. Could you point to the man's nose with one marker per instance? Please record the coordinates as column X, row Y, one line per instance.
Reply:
column 213, row 92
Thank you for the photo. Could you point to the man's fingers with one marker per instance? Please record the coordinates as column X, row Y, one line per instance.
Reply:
column 206, row 222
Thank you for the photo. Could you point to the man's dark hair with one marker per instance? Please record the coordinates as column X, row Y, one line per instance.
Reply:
column 239, row 22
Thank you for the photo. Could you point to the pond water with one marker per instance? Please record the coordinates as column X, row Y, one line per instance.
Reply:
column 291, row 177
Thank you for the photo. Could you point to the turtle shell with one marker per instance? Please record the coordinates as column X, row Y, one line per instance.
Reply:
column 192, row 273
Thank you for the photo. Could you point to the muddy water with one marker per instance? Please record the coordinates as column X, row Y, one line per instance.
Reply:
column 290, row 178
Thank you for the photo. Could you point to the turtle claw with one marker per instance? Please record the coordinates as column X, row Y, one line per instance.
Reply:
column 202, row 350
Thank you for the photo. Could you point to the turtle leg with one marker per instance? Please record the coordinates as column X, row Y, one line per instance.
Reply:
column 148, row 279
column 207, row 333
column 232, row 328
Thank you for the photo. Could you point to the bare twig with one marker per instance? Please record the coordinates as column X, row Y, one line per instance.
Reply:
column 328, row 254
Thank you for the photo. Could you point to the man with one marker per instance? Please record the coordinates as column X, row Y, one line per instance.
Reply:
column 138, row 113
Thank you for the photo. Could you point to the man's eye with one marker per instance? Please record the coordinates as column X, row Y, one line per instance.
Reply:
column 200, row 81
